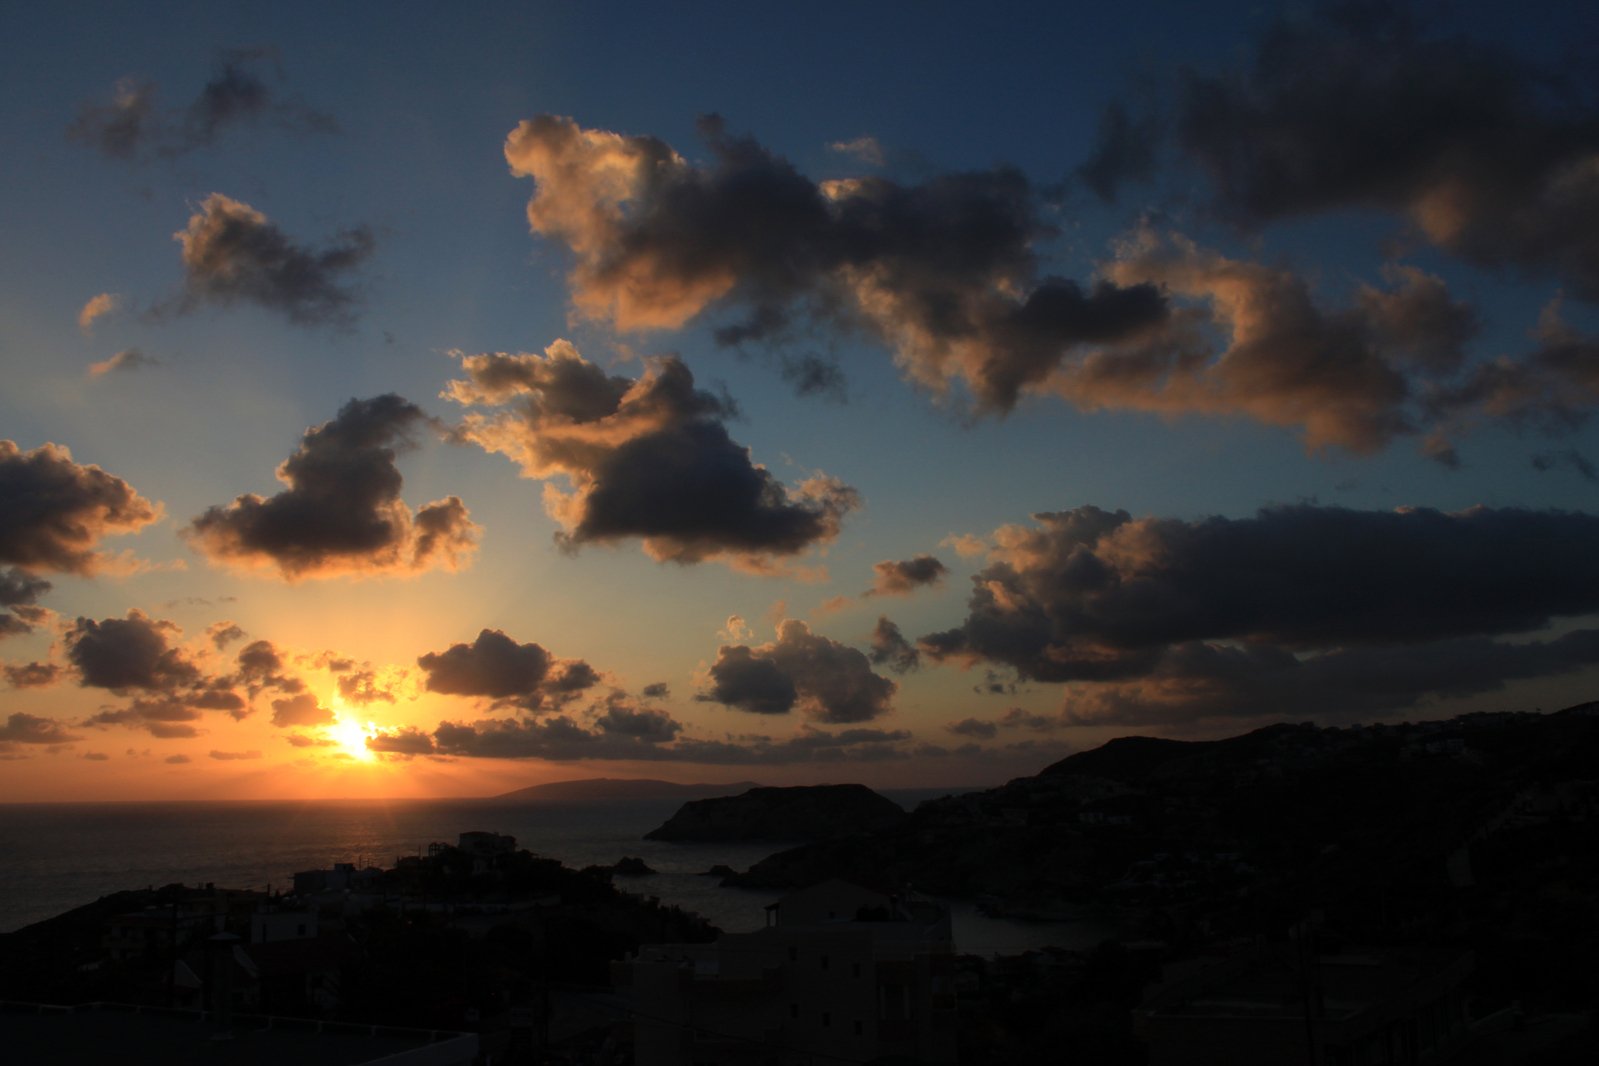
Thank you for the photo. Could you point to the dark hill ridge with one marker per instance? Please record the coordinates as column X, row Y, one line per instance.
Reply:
column 807, row 812
column 619, row 788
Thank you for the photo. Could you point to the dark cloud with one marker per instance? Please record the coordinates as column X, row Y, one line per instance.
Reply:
column 32, row 675
column 1359, row 105
column 54, row 512
column 261, row 667
column 21, row 728
column 342, row 513
column 162, row 716
column 1353, row 377
column 176, row 760
column 224, row 633
column 232, row 253
column 19, row 593
column 649, row 458
column 129, row 654
column 498, row 668
column 943, row 271
column 639, row 734
column 1196, row 681
column 232, row 756
column 1089, row 595
column 301, row 740
column 131, row 126
column 831, row 682
column 301, row 710
column 364, row 687
column 1124, row 150
column 659, row 690
column 891, row 649
column 902, row 577
column 974, row 727
column 1570, row 458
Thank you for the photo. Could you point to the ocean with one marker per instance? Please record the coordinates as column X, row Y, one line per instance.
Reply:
column 54, row 857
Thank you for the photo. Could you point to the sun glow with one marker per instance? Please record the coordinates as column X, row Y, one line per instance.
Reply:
column 351, row 736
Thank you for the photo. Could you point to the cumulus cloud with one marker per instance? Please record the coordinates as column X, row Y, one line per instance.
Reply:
column 233, row 253
column 260, row 666
column 865, row 148
column 1201, row 680
column 32, row 675
column 891, row 649
column 341, row 514
column 904, row 576
column 829, row 681
column 129, row 654
column 54, row 512
column 627, row 733
column 125, row 361
column 1489, row 157
column 19, row 598
column 496, row 667
column 131, row 125
column 735, row 629
column 974, row 727
column 176, row 760
column 301, row 710
column 648, row 458
column 1349, row 377
column 96, row 308
column 943, row 271
column 21, row 728
column 224, row 633
column 1157, row 605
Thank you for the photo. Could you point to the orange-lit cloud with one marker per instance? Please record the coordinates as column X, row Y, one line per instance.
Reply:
column 54, row 512
column 647, row 458
column 97, row 308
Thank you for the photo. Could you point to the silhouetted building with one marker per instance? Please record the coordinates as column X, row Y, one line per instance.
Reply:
column 839, row 971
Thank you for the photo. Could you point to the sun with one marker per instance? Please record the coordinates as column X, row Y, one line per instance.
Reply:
column 351, row 736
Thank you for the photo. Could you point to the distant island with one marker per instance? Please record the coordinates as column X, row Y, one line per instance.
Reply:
column 619, row 788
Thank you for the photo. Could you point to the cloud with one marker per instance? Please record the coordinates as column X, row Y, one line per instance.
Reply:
column 498, row 668
column 891, row 649
column 21, row 728
column 176, row 760
column 1273, row 609
column 232, row 253
column 260, row 667
column 624, row 733
column 132, row 126
column 902, row 577
column 32, row 675
column 829, row 681
column 1200, row 681
column 365, row 686
column 54, row 512
column 974, row 727
column 125, row 361
column 19, row 596
column 232, row 756
column 1570, row 457
column 1491, row 158
column 658, row 690
column 1092, row 595
column 647, row 458
column 341, row 514
column 942, row 271
column 735, row 629
column 300, row 710
column 224, row 633
column 129, row 654
column 1349, row 377
column 865, row 148
column 1124, row 150
column 97, row 308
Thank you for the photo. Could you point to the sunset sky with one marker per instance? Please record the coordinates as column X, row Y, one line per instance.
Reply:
column 420, row 399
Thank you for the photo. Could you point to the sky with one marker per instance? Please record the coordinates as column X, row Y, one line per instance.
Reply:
column 427, row 400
